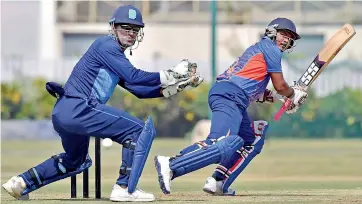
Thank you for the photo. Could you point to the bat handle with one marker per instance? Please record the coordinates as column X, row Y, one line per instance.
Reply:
column 282, row 109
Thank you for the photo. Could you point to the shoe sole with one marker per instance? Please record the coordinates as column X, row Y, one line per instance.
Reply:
column 230, row 194
column 208, row 191
column 113, row 199
column 215, row 194
column 11, row 193
column 160, row 177
column 9, row 190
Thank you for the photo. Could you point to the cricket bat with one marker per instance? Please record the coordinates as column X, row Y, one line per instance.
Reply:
column 321, row 61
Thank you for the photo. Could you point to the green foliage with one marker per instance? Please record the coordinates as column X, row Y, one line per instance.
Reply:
column 336, row 115
column 174, row 116
column 10, row 100
column 30, row 101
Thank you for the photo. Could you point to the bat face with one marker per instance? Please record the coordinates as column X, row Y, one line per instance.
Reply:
column 326, row 55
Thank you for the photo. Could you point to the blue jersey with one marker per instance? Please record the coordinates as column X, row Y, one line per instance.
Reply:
column 250, row 72
column 105, row 65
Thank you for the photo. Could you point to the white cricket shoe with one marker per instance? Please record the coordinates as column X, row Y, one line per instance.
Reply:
column 120, row 194
column 214, row 187
column 164, row 172
column 15, row 186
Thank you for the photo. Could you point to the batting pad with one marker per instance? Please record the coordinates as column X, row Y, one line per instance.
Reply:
column 143, row 147
column 213, row 154
column 87, row 163
column 246, row 154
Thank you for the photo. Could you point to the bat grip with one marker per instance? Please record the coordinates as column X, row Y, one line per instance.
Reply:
column 282, row 109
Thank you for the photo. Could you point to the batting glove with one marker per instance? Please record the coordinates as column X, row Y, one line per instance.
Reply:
column 292, row 109
column 299, row 97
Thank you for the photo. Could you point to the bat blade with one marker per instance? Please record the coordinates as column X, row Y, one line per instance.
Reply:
column 322, row 60
column 326, row 55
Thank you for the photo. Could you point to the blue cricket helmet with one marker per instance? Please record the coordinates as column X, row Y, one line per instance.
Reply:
column 127, row 15
column 284, row 24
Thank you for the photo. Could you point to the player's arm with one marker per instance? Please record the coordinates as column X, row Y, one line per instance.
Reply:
column 270, row 96
column 295, row 93
column 117, row 62
column 140, row 91
column 157, row 91
column 274, row 68
column 280, row 85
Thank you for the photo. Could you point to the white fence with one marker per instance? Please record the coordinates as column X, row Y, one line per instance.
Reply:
column 331, row 81
column 27, row 129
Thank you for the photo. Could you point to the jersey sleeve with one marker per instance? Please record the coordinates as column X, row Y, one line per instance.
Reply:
column 116, row 61
column 151, row 91
column 272, row 56
column 273, row 63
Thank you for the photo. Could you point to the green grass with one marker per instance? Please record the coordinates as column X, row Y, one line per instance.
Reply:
column 289, row 171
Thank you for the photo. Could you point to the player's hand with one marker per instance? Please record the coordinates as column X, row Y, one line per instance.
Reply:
column 299, row 97
column 292, row 109
column 192, row 82
column 181, row 72
column 297, row 102
column 270, row 96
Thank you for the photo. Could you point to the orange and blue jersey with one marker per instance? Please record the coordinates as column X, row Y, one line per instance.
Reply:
column 250, row 72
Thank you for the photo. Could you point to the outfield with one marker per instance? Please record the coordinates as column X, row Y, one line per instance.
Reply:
column 292, row 171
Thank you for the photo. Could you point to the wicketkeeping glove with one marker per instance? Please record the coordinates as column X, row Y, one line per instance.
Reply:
column 181, row 72
column 192, row 82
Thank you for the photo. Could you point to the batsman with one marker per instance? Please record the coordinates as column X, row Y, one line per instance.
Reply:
column 234, row 140
column 81, row 112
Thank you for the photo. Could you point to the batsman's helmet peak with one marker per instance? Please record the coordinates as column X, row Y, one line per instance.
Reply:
column 127, row 15
column 284, row 24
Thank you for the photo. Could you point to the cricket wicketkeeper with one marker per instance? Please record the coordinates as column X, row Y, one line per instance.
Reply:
column 80, row 111
column 234, row 140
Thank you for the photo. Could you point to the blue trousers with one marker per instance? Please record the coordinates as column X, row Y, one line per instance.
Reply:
column 229, row 117
column 78, row 119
